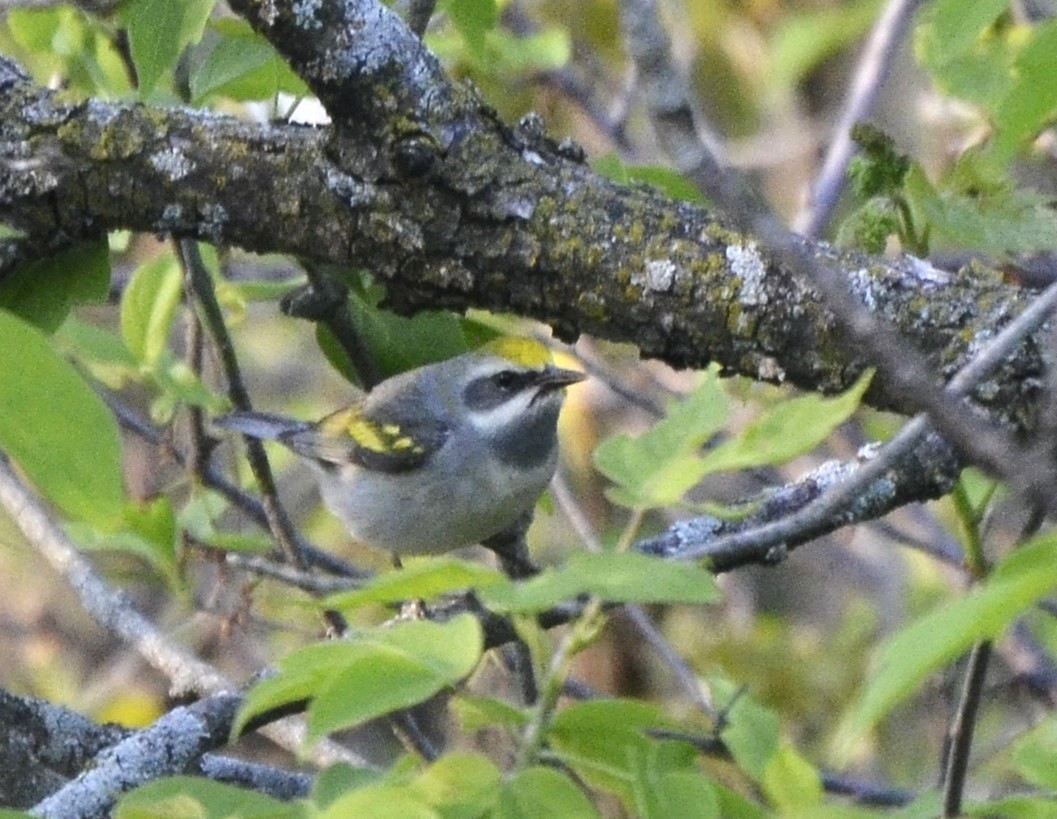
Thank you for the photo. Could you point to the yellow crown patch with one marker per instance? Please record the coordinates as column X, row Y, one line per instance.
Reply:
column 525, row 352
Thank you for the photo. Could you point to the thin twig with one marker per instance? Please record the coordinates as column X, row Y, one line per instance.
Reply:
column 960, row 737
column 682, row 672
column 200, row 287
column 870, row 75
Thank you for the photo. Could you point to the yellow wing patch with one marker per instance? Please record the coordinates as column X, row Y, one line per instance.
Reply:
column 380, row 438
column 525, row 352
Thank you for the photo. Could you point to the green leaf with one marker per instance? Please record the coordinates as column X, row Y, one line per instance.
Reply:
column 373, row 674
column 926, row 645
column 543, row 793
column 789, row 429
column 100, row 352
column 692, row 792
column 381, row 801
column 475, row 712
column 57, row 429
column 1031, row 103
column 158, row 32
column 473, row 19
column 340, row 778
column 148, row 307
column 242, row 65
column 751, row 733
column 663, row 178
column 616, row 577
column 607, row 743
column 149, row 532
column 977, row 207
column 510, row 55
column 1015, row 807
column 199, row 798
column 458, row 785
column 422, row 579
column 954, row 43
column 42, row 292
column 398, row 343
column 1034, row 754
column 791, row 783
column 661, row 465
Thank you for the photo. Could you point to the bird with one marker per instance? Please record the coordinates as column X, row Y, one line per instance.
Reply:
column 439, row 457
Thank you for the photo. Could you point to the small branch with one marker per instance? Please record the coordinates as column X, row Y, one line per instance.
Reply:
column 200, row 288
column 842, row 495
column 417, row 14
column 213, row 478
column 960, row 737
column 326, row 301
column 169, row 746
column 870, row 76
column 112, row 610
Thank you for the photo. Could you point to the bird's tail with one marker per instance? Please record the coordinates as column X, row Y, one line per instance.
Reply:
column 260, row 424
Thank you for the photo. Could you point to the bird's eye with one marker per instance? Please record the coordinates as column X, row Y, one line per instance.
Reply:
column 507, row 380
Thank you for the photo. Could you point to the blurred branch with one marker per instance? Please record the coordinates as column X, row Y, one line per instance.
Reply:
column 870, row 75
column 906, row 373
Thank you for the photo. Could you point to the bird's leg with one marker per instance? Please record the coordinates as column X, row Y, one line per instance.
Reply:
column 511, row 549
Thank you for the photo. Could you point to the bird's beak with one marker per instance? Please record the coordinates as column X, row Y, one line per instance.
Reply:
column 554, row 378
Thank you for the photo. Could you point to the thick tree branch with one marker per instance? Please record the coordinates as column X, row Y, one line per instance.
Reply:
column 504, row 221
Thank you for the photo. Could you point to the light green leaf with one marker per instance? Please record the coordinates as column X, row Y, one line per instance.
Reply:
column 149, row 532
column 607, row 743
column 242, row 65
column 158, row 32
column 791, row 783
column 512, row 55
column 421, row 579
column 663, row 178
column 977, row 208
column 475, row 712
column 751, row 733
column 1031, row 103
column 473, row 19
column 1034, row 754
column 148, row 307
column 928, row 644
column 616, row 577
column 1015, row 807
column 381, row 801
column 372, row 674
column 954, row 44
column 458, row 785
column 101, row 352
column 661, row 465
column 543, row 793
column 789, row 429
column 57, row 429
column 42, row 292
column 691, row 791
column 187, row 797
